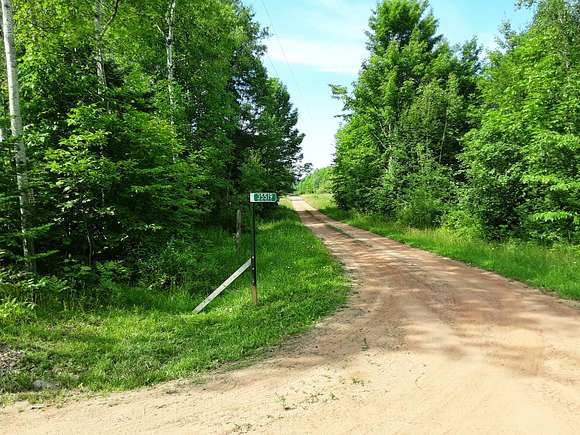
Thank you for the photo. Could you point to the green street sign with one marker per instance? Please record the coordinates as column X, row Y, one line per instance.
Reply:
column 263, row 197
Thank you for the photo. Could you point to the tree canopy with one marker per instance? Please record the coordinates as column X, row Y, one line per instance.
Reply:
column 143, row 121
column 432, row 134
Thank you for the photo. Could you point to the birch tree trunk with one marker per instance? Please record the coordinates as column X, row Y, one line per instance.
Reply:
column 99, row 32
column 170, row 18
column 24, row 193
column 169, row 43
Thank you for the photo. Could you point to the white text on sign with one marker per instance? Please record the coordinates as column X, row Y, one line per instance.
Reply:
column 263, row 197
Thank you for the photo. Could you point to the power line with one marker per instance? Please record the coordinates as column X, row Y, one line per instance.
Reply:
column 272, row 63
column 308, row 115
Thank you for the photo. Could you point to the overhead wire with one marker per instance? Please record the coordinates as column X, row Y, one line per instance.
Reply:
column 296, row 83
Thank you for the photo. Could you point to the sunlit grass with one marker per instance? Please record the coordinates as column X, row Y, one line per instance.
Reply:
column 320, row 201
column 150, row 336
column 554, row 268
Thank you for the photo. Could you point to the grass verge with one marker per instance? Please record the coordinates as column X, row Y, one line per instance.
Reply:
column 555, row 269
column 150, row 336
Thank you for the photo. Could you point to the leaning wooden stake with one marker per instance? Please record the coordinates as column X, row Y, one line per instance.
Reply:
column 222, row 287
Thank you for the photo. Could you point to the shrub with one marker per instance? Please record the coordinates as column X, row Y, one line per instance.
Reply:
column 421, row 210
column 14, row 311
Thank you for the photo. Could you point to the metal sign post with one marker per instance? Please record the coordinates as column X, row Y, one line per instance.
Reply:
column 254, row 271
column 251, row 263
column 254, row 198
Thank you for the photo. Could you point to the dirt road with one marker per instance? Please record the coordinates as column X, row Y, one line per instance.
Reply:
column 426, row 345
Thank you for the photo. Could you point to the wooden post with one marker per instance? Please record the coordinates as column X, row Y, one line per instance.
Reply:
column 238, row 230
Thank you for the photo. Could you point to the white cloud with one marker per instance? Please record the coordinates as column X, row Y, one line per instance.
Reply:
column 340, row 19
column 344, row 8
column 332, row 57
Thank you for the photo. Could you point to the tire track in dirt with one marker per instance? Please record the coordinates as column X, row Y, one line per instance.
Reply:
column 425, row 345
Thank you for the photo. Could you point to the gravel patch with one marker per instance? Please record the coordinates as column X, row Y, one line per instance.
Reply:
column 9, row 359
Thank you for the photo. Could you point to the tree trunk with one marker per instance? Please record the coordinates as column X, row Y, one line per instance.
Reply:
column 99, row 33
column 24, row 193
column 238, row 230
column 170, row 21
column 170, row 18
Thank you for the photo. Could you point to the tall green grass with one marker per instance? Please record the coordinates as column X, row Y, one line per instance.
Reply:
column 555, row 268
column 148, row 336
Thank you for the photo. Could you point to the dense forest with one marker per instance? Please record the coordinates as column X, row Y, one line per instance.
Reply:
column 435, row 134
column 126, row 126
column 318, row 181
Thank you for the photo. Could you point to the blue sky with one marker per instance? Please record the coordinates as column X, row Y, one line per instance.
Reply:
column 317, row 42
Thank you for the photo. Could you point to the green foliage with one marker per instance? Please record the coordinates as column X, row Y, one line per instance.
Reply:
column 15, row 312
column 29, row 288
column 128, row 165
column 523, row 163
column 358, row 165
column 431, row 137
column 319, row 181
column 396, row 153
column 145, row 336
column 189, row 264
column 425, row 200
